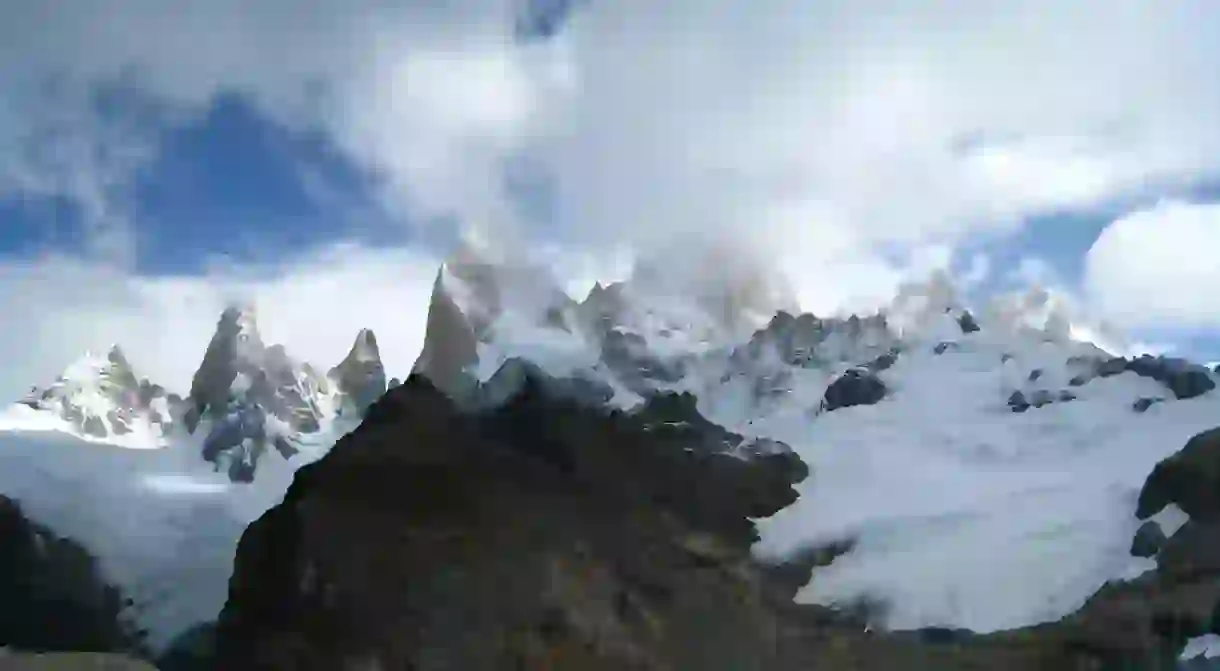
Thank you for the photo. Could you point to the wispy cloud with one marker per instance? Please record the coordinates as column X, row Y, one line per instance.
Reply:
column 807, row 134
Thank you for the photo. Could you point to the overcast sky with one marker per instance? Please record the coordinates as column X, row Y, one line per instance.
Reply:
column 319, row 157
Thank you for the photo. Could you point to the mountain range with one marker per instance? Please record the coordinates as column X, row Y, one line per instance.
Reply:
column 947, row 468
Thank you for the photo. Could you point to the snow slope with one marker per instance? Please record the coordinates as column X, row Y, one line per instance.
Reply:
column 967, row 513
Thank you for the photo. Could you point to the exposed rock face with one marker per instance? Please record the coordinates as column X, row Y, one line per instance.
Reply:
column 360, row 377
column 1189, row 478
column 250, row 396
column 809, row 342
column 968, row 323
column 1184, row 378
column 540, row 533
column 854, row 387
column 1149, row 539
column 52, row 595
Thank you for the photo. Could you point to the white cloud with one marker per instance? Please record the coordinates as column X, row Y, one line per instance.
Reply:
column 57, row 308
column 809, row 132
column 1158, row 267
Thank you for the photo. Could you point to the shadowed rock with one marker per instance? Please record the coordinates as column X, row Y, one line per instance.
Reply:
column 855, row 387
column 1149, row 539
column 544, row 534
column 1189, row 478
column 540, row 532
column 53, row 596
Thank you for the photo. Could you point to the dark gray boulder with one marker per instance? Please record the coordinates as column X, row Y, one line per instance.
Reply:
column 53, row 595
column 856, row 386
column 968, row 323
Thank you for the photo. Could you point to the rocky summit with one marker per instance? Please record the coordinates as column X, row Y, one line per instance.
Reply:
column 541, row 532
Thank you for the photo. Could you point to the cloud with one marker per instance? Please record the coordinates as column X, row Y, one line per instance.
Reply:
column 1157, row 267
column 806, row 135
column 56, row 308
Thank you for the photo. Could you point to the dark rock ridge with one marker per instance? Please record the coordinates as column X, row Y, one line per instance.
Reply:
column 540, row 533
column 1020, row 401
column 1184, row 378
column 1189, row 479
column 53, row 596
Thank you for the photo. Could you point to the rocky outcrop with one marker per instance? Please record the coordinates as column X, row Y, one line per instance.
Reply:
column 968, row 323
column 360, row 377
column 53, row 596
column 1020, row 401
column 1149, row 539
column 1190, row 479
column 1183, row 378
column 856, row 386
column 539, row 534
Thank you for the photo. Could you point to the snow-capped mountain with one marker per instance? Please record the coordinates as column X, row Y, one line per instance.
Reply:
column 101, row 398
column 980, row 462
column 245, row 397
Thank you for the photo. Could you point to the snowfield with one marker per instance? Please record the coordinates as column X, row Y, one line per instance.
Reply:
column 968, row 514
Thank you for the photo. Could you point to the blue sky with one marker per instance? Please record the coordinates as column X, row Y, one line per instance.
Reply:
column 255, row 146
column 228, row 184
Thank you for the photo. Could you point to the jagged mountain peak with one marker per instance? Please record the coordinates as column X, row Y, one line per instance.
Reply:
column 360, row 377
column 101, row 398
column 252, row 396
